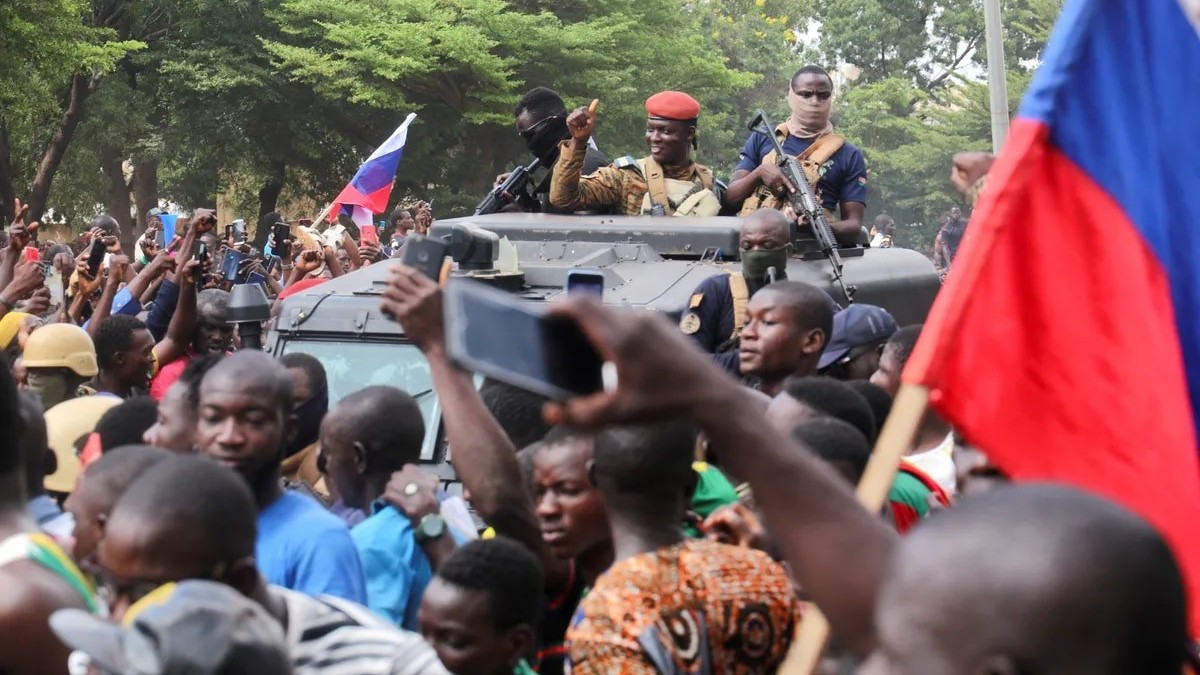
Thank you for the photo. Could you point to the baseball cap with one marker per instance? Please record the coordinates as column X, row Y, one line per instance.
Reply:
column 188, row 628
column 855, row 326
column 154, row 212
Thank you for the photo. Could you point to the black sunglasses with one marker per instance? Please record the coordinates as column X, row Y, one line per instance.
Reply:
column 821, row 95
column 528, row 133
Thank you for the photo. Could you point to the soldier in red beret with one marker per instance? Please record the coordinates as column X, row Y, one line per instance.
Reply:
column 666, row 183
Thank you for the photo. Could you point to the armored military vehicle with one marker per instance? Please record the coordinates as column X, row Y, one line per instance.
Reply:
column 648, row 262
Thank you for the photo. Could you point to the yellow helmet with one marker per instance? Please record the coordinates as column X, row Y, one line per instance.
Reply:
column 66, row 424
column 61, row 345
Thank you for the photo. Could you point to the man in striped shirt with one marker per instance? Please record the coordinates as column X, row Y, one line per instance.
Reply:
column 188, row 518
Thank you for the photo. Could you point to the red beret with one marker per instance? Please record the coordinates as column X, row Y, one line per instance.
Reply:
column 673, row 105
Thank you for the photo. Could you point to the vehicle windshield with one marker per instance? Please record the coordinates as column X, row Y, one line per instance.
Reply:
column 351, row 366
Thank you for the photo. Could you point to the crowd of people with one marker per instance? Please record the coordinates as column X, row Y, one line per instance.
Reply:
column 176, row 503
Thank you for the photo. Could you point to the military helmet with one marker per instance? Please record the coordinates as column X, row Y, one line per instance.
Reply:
column 61, row 345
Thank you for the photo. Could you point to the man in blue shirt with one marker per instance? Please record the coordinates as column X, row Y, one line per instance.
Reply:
column 364, row 438
column 842, row 175
column 245, row 421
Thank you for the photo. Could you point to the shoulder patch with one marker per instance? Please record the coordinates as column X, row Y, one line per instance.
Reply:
column 689, row 324
column 697, row 298
column 625, row 162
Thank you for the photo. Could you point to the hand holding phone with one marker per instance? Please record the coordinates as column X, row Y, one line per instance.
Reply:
column 202, row 256
column 368, row 235
column 95, row 256
column 516, row 341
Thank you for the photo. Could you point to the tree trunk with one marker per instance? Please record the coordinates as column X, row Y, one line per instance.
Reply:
column 145, row 189
column 7, row 191
column 268, row 197
column 111, row 163
column 81, row 87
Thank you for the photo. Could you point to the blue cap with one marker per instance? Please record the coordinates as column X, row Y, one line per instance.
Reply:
column 856, row 326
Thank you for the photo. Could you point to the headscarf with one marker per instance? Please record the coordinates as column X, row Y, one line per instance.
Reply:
column 810, row 116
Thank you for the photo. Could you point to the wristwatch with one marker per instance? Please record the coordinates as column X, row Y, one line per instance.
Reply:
column 431, row 527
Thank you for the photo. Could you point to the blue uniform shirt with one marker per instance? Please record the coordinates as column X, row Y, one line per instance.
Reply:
column 843, row 177
column 303, row 547
column 396, row 568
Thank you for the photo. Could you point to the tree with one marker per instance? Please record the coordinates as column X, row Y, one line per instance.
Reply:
column 462, row 66
column 53, row 54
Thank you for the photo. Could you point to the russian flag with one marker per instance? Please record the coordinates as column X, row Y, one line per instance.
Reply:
column 1066, row 343
column 368, row 192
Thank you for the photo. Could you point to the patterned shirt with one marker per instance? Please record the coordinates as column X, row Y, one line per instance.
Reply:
column 695, row 607
column 621, row 189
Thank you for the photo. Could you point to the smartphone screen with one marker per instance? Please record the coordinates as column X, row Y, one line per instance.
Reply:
column 586, row 281
column 96, row 256
column 231, row 264
column 272, row 262
column 543, row 354
column 280, row 232
column 256, row 278
column 368, row 235
column 425, row 254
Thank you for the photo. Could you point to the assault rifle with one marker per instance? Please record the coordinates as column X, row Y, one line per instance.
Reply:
column 804, row 201
column 513, row 186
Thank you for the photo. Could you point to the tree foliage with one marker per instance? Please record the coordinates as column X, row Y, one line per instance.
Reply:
column 274, row 103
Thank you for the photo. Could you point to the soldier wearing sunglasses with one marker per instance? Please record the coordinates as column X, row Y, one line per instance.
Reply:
column 835, row 168
column 541, row 120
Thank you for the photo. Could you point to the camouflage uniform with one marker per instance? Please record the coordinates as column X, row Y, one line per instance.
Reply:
column 622, row 188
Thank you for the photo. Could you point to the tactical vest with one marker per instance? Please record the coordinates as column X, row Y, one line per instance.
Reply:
column 676, row 197
column 739, row 291
column 810, row 161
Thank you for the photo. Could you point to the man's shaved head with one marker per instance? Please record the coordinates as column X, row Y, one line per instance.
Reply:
column 1032, row 579
column 767, row 218
column 187, row 506
column 252, row 371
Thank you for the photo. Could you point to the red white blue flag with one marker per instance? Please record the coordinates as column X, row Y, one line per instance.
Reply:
column 1066, row 342
column 368, row 192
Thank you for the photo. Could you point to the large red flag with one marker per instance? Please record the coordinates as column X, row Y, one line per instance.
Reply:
column 1066, row 343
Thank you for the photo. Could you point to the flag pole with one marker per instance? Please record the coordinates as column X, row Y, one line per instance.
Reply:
column 894, row 440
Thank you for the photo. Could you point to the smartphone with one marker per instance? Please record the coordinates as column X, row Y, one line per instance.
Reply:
column 585, row 281
column 280, row 232
column 54, row 281
column 232, row 264
column 425, row 254
column 368, row 235
column 256, row 278
column 542, row 353
column 238, row 228
column 160, row 238
column 96, row 256
column 202, row 256
column 271, row 264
